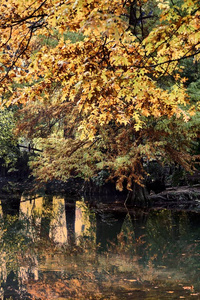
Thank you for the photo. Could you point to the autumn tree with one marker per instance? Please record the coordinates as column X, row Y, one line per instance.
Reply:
column 113, row 99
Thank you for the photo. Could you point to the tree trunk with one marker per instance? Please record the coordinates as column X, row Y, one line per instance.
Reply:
column 138, row 196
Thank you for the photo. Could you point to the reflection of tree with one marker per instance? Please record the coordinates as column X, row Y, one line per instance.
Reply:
column 175, row 228
column 12, row 274
column 194, row 220
column 15, row 242
column 10, row 205
column 168, row 237
column 139, row 218
column 70, row 209
column 11, row 287
column 108, row 226
column 46, row 216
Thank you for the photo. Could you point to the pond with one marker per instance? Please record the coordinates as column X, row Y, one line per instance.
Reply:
column 62, row 248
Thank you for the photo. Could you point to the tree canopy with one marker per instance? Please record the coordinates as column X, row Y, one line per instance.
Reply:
column 112, row 97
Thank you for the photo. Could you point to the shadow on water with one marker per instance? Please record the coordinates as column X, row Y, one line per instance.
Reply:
column 58, row 247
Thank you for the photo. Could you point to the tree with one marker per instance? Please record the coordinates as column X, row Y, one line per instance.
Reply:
column 111, row 101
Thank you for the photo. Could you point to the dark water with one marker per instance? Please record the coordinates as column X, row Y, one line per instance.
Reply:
column 58, row 248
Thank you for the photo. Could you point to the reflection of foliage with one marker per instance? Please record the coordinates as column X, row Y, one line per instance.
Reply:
column 107, row 276
column 15, row 240
column 136, row 263
column 167, row 233
column 88, row 237
column 76, row 288
column 126, row 241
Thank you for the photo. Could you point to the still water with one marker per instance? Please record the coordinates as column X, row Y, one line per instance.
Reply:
column 60, row 248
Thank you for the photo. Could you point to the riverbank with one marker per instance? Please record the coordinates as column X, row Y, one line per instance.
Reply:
column 181, row 197
column 185, row 197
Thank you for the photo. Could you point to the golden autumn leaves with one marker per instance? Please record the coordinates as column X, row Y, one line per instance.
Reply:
column 110, row 84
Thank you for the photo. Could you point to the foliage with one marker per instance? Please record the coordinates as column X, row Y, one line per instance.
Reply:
column 8, row 142
column 110, row 100
column 194, row 91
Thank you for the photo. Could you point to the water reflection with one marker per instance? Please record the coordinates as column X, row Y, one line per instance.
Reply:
column 58, row 219
column 10, row 204
column 108, row 226
column 55, row 247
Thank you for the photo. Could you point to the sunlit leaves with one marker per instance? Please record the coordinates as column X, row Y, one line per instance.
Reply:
column 102, row 89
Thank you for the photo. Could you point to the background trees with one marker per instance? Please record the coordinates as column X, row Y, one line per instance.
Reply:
column 111, row 100
column 8, row 142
